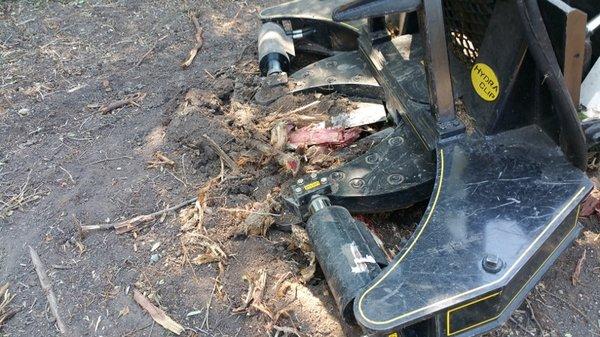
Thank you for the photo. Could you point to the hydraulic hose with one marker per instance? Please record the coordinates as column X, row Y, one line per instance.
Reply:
column 542, row 51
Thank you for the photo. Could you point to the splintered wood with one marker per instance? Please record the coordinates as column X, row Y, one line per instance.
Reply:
column 160, row 160
column 258, row 222
column 5, row 298
column 158, row 315
column 299, row 240
column 254, row 296
column 212, row 250
column 255, row 299
column 199, row 36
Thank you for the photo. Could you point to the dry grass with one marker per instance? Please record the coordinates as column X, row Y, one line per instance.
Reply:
column 5, row 298
column 12, row 201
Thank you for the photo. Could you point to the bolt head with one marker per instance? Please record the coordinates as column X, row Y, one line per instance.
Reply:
column 492, row 263
column 323, row 180
column 298, row 190
column 300, row 181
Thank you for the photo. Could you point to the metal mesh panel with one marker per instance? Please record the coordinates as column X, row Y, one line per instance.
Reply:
column 466, row 22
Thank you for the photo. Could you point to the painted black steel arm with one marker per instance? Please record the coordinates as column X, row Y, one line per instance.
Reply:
column 541, row 49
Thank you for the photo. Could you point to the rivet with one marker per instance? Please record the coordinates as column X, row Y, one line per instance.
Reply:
column 373, row 158
column 395, row 141
column 395, row 179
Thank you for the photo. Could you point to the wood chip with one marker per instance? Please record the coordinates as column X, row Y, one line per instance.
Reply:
column 577, row 272
column 158, row 315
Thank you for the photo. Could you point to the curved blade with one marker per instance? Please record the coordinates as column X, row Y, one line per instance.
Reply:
column 361, row 9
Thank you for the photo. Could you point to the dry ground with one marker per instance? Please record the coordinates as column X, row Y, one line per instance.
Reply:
column 64, row 164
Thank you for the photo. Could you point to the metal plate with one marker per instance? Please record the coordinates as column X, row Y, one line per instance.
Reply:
column 343, row 72
column 319, row 10
column 504, row 195
column 394, row 174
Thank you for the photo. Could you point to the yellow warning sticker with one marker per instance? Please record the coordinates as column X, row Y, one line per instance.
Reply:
column 485, row 82
column 312, row 185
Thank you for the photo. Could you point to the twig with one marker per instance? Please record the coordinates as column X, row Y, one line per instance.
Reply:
column 128, row 225
column 226, row 158
column 199, row 41
column 68, row 173
column 522, row 327
column 20, row 199
column 533, row 316
column 577, row 272
column 47, row 288
column 107, row 160
column 128, row 100
column 158, row 315
column 205, row 321
column 149, row 51
column 574, row 308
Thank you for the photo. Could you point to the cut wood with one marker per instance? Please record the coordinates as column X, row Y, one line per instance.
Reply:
column 158, row 315
column 199, row 41
column 332, row 137
column 47, row 288
column 131, row 224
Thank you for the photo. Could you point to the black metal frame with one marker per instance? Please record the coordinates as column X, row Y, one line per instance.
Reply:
column 523, row 153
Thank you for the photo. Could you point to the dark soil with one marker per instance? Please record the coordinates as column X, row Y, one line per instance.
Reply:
column 63, row 164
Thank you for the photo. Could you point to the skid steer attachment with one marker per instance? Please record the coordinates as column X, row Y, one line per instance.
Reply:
column 483, row 96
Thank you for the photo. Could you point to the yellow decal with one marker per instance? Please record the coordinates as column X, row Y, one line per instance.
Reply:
column 485, row 82
column 312, row 185
column 395, row 334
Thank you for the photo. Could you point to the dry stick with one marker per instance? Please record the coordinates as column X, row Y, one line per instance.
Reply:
column 47, row 288
column 199, row 41
column 522, row 327
column 533, row 316
column 158, row 315
column 129, row 225
column 149, row 51
column 226, row 158
column 574, row 308
column 205, row 321
column 107, row 160
column 129, row 100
